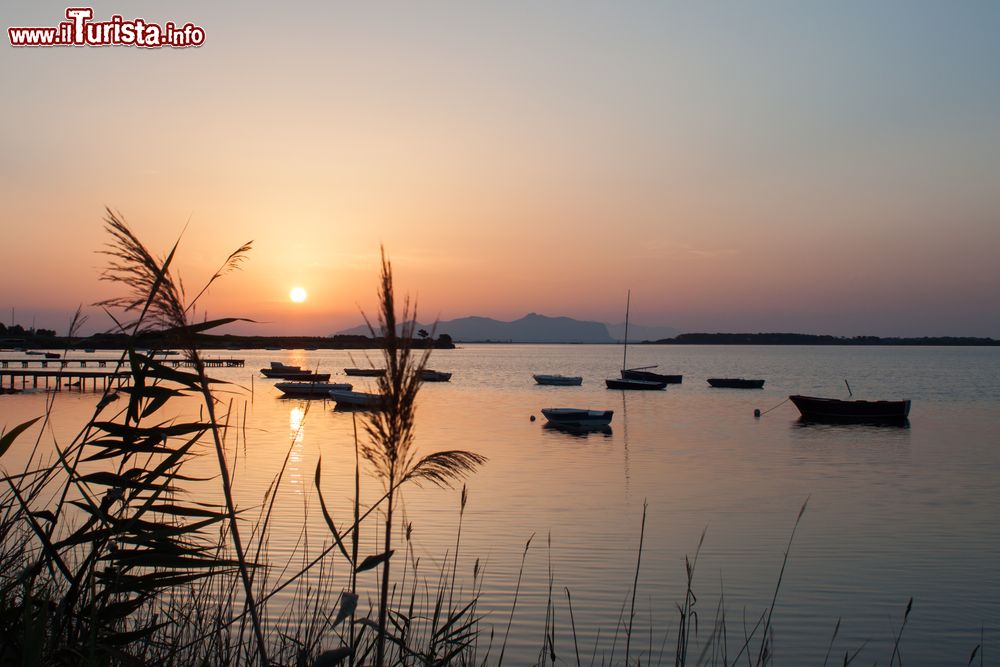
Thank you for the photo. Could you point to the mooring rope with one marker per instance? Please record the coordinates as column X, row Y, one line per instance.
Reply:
column 758, row 413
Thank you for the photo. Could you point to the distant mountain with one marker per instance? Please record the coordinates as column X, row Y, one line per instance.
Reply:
column 532, row 328
column 639, row 333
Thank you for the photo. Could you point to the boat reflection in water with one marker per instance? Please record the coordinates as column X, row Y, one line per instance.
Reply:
column 579, row 431
column 853, row 425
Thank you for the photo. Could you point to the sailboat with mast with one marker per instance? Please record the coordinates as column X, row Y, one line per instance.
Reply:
column 644, row 372
column 636, row 378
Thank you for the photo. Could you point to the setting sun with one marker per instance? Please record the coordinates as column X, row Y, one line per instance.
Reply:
column 298, row 294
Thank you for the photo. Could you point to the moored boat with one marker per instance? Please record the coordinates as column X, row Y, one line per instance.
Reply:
column 649, row 376
column 835, row 410
column 356, row 399
column 638, row 378
column 558, row 380
column 280, row 371
column 279, row 366
column 365, row 372
column 578, row 417
column 735, row 383
column 300, row 375
column 311, row 389
column 428, row 375
column 650, row 385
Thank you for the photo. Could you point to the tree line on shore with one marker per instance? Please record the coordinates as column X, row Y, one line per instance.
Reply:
column 47, row 339
column 814, row 339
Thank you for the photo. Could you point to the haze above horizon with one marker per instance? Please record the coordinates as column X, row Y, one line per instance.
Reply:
column 829, row 169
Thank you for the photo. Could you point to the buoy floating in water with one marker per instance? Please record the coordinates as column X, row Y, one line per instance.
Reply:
column 756, row 413
column 532, row 417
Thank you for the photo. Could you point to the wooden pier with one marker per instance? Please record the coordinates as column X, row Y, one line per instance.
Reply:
column 94, row 362
column 63, row 378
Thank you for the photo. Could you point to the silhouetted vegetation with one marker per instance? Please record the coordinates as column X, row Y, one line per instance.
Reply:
column 130, row 565
column 26, row 335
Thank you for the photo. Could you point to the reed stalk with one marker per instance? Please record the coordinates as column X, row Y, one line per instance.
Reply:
column 635, row 583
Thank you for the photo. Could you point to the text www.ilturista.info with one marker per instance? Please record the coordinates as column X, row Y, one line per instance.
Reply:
column 80, row 30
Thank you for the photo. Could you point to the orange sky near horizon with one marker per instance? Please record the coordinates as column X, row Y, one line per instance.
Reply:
column 740, row 170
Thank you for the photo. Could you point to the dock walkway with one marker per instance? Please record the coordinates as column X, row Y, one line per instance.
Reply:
column 71, row 379
column 96, row 362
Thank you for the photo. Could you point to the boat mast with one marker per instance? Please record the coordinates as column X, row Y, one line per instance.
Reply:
column 628, row 301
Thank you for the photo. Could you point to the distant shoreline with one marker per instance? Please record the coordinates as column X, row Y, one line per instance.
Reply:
column 221, row 342
column 813, row 339
column 352, row 342
column 774, row 339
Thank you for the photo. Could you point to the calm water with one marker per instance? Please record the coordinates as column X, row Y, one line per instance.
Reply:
column 892, row 513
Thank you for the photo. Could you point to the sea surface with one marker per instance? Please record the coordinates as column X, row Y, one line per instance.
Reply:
column 891, row 512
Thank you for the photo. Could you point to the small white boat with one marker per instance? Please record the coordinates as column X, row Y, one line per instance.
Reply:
column 578, row 417
column 428, row 375
column 355, row 399
column 314, row 389
column 559, row 380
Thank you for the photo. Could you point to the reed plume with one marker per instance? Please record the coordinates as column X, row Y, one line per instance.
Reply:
column 159, row 298
column 391, row 430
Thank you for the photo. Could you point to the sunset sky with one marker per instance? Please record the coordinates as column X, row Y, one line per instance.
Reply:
column 772, row 166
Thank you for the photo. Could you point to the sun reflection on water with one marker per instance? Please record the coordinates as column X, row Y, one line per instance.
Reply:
column 297, row 429
column 296, row 424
